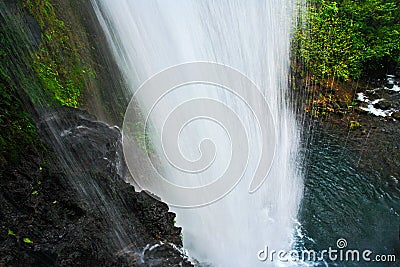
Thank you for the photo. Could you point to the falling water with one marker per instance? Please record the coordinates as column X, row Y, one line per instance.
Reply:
column 253, row 37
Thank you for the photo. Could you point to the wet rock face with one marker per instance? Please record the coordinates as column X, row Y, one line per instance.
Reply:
column 383, row 100
column 385, row 104
column 83, row 141
column 156, row 254
column 75, row 209
column 29, row 24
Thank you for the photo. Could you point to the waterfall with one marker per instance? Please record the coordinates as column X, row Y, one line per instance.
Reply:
column 252, row 37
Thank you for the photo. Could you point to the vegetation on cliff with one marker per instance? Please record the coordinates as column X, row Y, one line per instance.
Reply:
column 350, row 39
column 57, row 62
column 45, row 218
column 18, row 132
column 40, row 66
column 338, row 47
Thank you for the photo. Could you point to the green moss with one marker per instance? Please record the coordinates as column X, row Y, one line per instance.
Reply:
column 34, row 77
column 58, row 63
column 10, row 232
column 354, row 125
column 27, row 240
column 141, row 136
column 18, row 132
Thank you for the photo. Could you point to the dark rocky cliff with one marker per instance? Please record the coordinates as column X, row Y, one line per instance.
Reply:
column 63, row 198
column 76, row 209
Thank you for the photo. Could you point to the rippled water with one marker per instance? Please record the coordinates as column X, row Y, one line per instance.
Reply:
column 345, row 200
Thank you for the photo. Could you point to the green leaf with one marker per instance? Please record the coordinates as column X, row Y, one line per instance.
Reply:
column 27, row 240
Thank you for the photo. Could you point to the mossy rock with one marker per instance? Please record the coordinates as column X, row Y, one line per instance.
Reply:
column 396, row 115
column 354, row 125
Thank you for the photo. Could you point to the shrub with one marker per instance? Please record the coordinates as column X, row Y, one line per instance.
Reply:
column 349, row 39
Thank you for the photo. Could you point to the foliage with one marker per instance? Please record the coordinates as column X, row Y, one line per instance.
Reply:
column 353, row 125
column 10, row 232
column 32, row 75
column 348, row 39
column 57, row 62
column 142, row 137
column 27, row 240
column 17, row 130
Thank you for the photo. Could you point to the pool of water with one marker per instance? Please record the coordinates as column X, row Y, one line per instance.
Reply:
column 343, row 200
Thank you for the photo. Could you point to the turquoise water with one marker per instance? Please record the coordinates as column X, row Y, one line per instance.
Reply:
column 344, row 200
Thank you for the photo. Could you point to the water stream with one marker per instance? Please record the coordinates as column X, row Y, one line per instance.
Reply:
column 253, row 37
